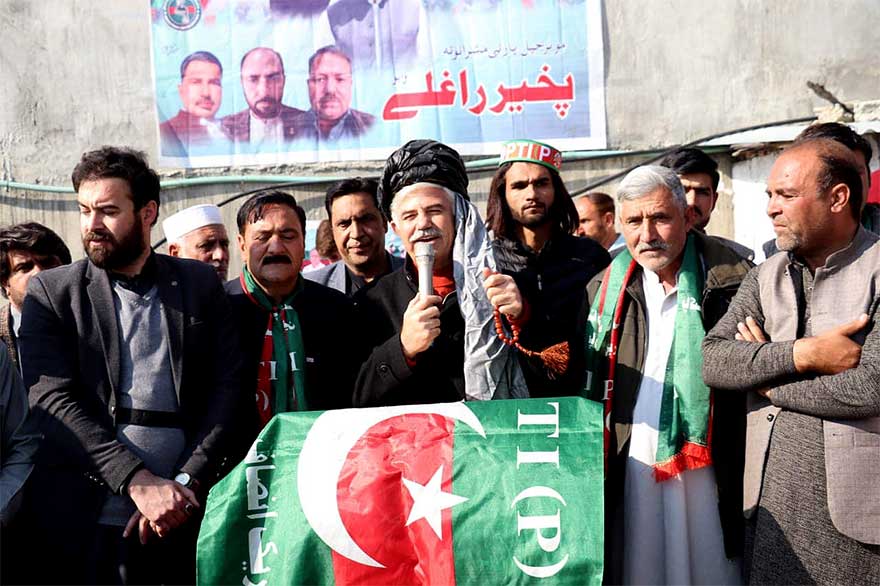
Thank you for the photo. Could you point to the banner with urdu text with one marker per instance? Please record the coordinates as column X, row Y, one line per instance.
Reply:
column 494, row 492
column 263, row 82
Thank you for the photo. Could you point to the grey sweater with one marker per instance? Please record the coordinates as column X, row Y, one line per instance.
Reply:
column 145, row 383
column 792, row 537
column 733, row 365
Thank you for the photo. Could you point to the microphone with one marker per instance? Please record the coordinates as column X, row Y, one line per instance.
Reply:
column 424, row 252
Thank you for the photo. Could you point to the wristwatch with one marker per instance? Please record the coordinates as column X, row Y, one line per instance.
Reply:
column 184, row 479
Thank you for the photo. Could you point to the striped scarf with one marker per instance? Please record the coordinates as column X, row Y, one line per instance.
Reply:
column 281, row 381
column 684, row 438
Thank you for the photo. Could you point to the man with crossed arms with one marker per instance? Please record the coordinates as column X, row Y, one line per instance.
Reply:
column 802, row 333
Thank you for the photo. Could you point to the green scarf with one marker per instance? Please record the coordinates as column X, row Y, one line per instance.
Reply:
column 684, row 439
column 282, row 355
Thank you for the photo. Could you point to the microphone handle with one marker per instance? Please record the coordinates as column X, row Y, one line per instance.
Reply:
column 426, row 276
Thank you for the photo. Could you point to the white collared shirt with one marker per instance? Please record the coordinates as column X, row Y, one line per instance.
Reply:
column 617, row 246
column 672, row 531
column 265, row 131
column 212, row 127
column 16, row 319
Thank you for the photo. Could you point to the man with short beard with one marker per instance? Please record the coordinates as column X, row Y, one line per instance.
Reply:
column 295, row 355
column 800, row 343
column 133, row 371
column 197, row 232
column 266, row 121
column 862, row 151
column 674, row 448
column 698, row 174
column 596, row 221
column 532, row 217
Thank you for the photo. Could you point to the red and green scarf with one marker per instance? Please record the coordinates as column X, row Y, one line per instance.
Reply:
column 685, row 438
column 281, row 381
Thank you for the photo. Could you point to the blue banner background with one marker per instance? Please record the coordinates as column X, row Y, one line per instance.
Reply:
column 477, row 43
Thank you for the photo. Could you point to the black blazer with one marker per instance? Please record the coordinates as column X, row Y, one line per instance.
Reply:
column 331, row 336
column 385, row 378
column 70, row 343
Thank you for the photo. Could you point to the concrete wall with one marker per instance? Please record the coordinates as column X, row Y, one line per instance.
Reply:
column 748, row 175
column 682, row 69
column 76, row 74
column 754, row 227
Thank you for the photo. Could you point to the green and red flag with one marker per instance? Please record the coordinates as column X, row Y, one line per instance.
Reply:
column 495, row 492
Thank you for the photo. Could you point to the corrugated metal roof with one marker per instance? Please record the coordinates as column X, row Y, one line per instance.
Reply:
column 784, row 133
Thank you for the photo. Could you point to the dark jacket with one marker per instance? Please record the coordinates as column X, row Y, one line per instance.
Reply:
column 385, row 378
column 177, row 134
column 70, row 350
column 7, row 335
column 725, row 270
column 553, row 282
column 238, row 126
column 335, row 275
column 350, row 125
column 330, row 337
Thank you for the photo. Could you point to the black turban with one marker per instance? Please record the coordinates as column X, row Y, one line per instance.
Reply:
column 421, row 161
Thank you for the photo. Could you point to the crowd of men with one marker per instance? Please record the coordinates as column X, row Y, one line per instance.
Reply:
column 742, row 403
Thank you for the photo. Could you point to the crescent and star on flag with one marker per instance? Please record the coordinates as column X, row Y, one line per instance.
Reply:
column 429, row 501
column 319, row 469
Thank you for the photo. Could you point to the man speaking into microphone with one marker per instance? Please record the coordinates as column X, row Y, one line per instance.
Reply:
column 436, row 342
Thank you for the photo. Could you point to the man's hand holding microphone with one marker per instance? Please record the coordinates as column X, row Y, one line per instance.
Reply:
column 421, row 320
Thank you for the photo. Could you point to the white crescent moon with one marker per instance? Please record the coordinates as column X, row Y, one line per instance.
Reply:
column 324, row 452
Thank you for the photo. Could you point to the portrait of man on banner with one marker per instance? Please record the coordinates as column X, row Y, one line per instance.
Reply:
column 341, row 80
column 330, row 85
column 201, row 93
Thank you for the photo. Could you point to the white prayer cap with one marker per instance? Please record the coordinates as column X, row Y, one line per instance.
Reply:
column 185, row 221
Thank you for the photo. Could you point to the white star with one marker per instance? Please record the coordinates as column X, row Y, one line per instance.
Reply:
column 429, row 501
